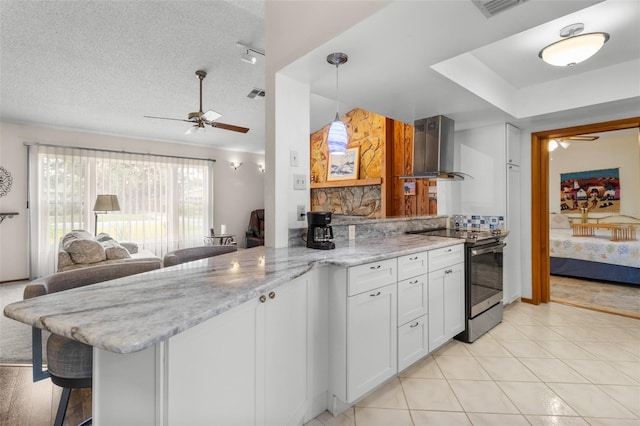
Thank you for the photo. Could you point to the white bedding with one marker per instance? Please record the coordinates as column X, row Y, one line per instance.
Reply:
column 562, row 243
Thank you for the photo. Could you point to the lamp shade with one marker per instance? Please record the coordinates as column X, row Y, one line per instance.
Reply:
column 337, row 137
column 106, row 203
column 573, row 50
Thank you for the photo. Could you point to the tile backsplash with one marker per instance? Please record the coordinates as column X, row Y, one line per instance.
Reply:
column 478, row 222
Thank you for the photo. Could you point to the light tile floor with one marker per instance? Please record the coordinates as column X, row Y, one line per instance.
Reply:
column 544, row 365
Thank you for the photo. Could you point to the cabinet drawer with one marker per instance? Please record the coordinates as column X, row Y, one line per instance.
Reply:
column 412, row 265
column 445, row 256
column 412, row 298
column 413, row 338
column 371, row 275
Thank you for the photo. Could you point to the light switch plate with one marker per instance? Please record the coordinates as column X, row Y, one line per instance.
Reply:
column 293, row 158
column 299, row 181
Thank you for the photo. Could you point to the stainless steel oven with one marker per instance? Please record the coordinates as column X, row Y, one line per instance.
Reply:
column 484, row 287
column 483, row 278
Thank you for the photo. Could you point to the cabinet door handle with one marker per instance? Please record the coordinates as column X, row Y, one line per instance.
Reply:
column 374, row 295
column 448, row 271
column 413, row 258
column 272, row 295
column 448, row 250
column 414, row 324
column 414, row 282
column 263, row 298
column 374, row 267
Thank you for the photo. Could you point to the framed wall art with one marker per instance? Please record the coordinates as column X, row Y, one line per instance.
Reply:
column 344, row 166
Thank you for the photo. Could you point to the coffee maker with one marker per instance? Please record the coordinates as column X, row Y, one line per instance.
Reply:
column 319, row 231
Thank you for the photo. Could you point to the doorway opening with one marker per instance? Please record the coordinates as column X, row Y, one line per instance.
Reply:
column 540, row 281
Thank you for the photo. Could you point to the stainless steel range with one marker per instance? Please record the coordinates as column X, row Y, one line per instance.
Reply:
column 483, row 278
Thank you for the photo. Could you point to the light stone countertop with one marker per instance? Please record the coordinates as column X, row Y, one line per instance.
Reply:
column 133, row 313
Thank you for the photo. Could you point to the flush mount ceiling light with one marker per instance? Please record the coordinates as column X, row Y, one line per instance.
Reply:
column 573, row 48
column 337, row 136
column 248, row 56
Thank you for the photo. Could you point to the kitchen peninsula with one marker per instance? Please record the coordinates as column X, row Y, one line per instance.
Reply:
column 239, row 338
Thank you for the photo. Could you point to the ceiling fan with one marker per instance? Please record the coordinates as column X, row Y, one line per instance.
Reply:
column 565, row 142
column 200, row 119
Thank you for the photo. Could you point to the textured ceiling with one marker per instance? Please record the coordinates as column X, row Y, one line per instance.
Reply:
column 102, row 66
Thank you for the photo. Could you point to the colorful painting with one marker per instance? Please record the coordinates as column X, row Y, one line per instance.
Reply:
column 409, row 188
column 595, row 190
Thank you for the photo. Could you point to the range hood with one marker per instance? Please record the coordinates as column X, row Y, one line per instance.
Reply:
column 433, row 149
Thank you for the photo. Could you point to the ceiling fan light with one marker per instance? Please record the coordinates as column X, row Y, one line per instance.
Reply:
column 565, row 144
column 337, row 137
column 211, row 115
column 573, row 50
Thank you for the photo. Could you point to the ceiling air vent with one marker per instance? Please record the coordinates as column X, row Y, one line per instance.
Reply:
column 256, row 92
column 492, row 7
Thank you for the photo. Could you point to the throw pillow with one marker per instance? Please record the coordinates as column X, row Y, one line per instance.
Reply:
column 76, row 234
column 132, row 248
column 64, row 260
column 102, row 237
column 559, row 221
column 85, row 251
column 115, row 251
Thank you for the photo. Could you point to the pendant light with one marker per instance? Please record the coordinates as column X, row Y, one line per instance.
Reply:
column 337, row 136
column 573, row 48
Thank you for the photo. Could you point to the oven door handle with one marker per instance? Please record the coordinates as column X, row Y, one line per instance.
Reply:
column 493, row 248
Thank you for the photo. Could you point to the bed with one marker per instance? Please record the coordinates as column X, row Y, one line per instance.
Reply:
column 594, row 257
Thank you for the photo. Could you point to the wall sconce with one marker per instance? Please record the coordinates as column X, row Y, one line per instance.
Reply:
column 235, row 165
column 261, row 168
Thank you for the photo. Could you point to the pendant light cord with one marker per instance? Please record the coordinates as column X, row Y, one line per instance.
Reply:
column 337, row 94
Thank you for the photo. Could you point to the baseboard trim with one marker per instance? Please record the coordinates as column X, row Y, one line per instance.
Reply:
column 525, row 300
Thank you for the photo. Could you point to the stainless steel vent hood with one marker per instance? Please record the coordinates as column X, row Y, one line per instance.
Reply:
column 433, row 149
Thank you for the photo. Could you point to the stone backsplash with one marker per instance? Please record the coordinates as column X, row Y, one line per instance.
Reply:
column 362, row 201
column 372, row 228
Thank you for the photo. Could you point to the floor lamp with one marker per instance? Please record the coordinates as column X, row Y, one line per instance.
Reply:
column 105, row 203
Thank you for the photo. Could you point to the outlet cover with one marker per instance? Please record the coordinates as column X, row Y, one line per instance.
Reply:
column 301, row 213
column 352, row 232
column 299, row 181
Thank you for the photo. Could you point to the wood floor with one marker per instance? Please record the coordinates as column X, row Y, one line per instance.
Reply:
column 619, row 299
column 23, row 402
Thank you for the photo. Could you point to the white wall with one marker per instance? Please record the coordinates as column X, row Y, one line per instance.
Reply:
column 236, row 192
column 614, row 149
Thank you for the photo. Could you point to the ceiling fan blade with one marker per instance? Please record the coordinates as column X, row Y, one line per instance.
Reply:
column 166, row 118
column 191, row 130
column 211, row 115
column 229, row 127
column 582, row 138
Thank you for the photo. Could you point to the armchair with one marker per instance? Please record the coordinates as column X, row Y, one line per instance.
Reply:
column 255, row 232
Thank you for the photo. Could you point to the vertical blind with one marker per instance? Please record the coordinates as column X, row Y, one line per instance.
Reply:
column 166, row 202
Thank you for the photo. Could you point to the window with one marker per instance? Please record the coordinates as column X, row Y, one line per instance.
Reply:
column 166, row 202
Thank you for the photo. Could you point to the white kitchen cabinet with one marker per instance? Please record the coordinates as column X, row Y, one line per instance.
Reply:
column 371, row 340
column 446, row 301
column 413, row 330
column 362, row 329
column 413, row 341
column 412, row 299
column 245, row 366
column 512, row 263
column 483, row 153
